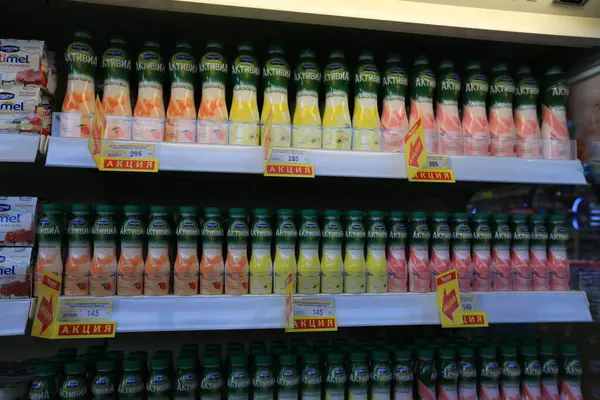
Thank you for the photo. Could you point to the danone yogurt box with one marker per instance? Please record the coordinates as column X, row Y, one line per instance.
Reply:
column 20, row 110
column 16, row 221
column 15, row 279
column 23, row 61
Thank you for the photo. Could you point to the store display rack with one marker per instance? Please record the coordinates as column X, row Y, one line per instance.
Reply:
column 70, row 152
column 190, row 313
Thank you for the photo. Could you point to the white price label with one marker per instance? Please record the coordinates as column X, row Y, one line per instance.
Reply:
column 469, row 302
column 288, row 156
column 440, row 162
column 70, row 310
column 133, row 151
column 313, row 308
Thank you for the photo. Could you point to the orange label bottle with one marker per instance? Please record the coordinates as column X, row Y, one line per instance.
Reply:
column 187, row 267
column 104, row 261
column 131, row 261
column 157, row 270
column 212, row 268
column 149, row 112
column 77, row 266
column 49, row 232
column 181, row 112
column 236, row 263
column 116, row 99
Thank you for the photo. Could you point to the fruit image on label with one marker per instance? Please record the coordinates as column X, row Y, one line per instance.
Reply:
column 307, row 117
column 447, row 120
column 366, row 113
column 130, row 269
column 181, row 112
column 212, row 267
column 422, row 89
column 555, row 91
column 394, row 120
column 526, row 119
column 276, row 78
column 474, row 116
column 244, row 109
column 116, row 99
column 502, row 125
column 212, row 113
column 79, row 97
column 157, row 269
column 149, row 124
column 337, row 132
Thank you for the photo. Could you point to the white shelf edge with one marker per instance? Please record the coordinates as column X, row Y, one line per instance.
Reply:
column 190, row 313
column 67, row 152
column 19, row 147
column 14, row 316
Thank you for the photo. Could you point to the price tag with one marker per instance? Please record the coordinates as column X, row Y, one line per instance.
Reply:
column 289, row 156
column 440, row 162
column 75, row 310
column 469, row 302
column 132, row 151
column 289, row 163
column 313, row 308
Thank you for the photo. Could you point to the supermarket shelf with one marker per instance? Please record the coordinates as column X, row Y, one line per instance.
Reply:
column 14, row 315
column 18, row 148
column 516, row 21
column 185, row 313
column 65, row 152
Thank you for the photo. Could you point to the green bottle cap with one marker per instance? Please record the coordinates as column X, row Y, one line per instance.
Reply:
column 379, row 355
column 210, row 362
column 508, row 351
column 287, row 359
column 376, row 214
column 132, row 364
column 45, row 368
column 192, row 347
column 518, row 217
column 141, row 354
column 528, row 351
column 158, row 210
column 355, row 214
column 105, row 365
column 397, row 215
column 309, row 213
column 446, row 353
column 97, row 349
column 557, row 218
column 568, row 349
column 238, row 361
column 263, row 212
column 500, row 217
column 334, row 358
column 358, row 357
column 402, row 354
column 393, row 58
column 537, row 218
column 212, row 211
column 286, row 212
column 75, row 367
column 418, row 215
column 263, row 360
column 80, row 208
column 51, row 208
column 132, row 209
column 311, row 358
column 466, row 352
column 488, row 352
column 185, row 362
column 461, row 216
column 104, row 209
column 158, row 363
column 481, row 217
column 237, row 212
column 190, row 210
column 332, row 214
column 440, row 215
column 425, row 354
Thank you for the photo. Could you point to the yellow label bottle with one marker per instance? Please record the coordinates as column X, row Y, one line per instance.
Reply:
column 337, row 126
column 376, row 261
column 276, row 111
column 307, row 117
column 366, row 113
column 355, row 278
column 309, row 265
column 285, row 249
column 332, row 265
column 244, row 108
column 261, row 264
column 115, row 95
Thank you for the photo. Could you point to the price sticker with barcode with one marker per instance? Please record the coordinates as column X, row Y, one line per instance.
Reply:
column 288, row 156
column 76, row 310
column 469, row 302
column 436, row 162
column 314, row 308
column 132, row 151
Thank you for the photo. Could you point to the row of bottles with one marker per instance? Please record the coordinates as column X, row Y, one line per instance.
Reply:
column 510, row 105
column 186, row 255
column 443, row 369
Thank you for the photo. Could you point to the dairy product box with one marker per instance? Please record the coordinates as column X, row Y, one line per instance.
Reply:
column 22, row 109
column 23, row 61
column 15, row 272
column 17, row 216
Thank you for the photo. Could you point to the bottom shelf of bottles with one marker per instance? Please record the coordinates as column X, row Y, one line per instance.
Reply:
column 225, row 312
